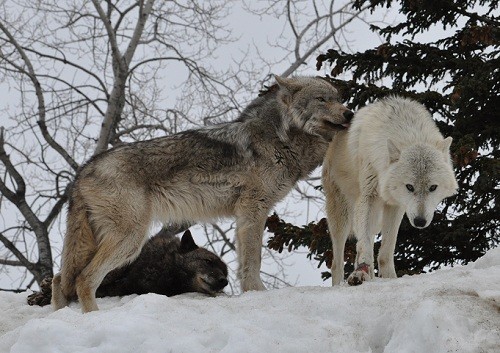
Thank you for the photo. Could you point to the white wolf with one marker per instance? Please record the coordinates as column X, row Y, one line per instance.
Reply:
column 392, row 160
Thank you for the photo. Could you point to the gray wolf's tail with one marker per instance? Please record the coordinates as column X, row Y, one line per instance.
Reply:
column 79, row 248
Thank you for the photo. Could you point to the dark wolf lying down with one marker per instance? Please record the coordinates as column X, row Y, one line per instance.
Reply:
column 166, row 265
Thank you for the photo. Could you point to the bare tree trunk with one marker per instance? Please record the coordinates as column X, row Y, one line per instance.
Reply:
column 121, row 64
column 43, row 267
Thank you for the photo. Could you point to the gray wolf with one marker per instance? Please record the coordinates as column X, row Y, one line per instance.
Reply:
column 238, row 169
column 393, row 160
column 166, row 265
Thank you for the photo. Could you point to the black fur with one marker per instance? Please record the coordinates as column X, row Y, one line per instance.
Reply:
column 166, row 266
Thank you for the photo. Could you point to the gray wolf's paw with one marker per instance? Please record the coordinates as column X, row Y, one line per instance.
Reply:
column 249, row 285
column 361, row 274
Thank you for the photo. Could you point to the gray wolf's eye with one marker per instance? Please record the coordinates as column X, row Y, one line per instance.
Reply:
column 410, row 187
column 432, row 188
column 321, row 99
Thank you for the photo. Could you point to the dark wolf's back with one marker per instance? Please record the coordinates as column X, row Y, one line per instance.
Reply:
column 157, row 259
column 168, row 266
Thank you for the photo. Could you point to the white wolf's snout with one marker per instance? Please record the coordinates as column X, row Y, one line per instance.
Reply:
column 420, row 222
column 421, row 212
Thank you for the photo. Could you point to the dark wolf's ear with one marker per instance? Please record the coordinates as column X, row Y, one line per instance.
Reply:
column 289, row 85
column 187, row 242
column 394, row 151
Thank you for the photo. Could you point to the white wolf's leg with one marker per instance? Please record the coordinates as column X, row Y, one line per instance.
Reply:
column 339, row 216
column 390, row 226
column 366, row 224
column 363, row 266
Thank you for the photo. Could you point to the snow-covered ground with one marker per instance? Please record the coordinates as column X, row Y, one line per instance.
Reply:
column 452, row 310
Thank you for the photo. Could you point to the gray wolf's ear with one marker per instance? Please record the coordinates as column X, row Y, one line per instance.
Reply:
column 444, row 145
column 187, row 242
column 288, row 84
column 394, row 152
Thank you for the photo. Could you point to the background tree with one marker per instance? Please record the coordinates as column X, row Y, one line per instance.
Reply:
column 457, row 77
column 80, row 78
column 86, row 77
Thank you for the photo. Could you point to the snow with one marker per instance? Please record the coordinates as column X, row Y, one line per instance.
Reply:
column 450, row 310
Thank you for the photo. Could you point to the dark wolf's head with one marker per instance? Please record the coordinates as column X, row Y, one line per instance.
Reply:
column 313, row 105
column 207, row 271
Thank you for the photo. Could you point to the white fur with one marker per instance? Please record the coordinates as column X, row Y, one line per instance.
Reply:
column 390, row 144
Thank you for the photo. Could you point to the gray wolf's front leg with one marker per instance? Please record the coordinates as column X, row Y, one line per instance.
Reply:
column 249, row 246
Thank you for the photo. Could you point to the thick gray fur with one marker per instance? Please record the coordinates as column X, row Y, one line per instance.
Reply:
column 239, row 169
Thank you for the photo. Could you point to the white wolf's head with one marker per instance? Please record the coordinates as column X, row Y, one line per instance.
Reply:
column 314, row 105
column 419, row 178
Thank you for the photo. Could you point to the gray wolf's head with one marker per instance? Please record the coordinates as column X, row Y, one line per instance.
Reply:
column 419, row 178
column 313, row 105
column 207, row 270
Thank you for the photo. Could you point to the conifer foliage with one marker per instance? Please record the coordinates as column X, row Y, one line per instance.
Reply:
column 458, row 79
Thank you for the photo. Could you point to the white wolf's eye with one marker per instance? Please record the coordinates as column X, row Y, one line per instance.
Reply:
column 432, row 188
column 321, row 99
column 410, row 187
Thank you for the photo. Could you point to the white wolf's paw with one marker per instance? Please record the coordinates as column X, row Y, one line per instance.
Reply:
column 358, row 276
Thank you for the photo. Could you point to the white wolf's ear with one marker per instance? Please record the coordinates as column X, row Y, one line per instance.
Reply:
column 394, row 151
column 288, row 84
column 444, row 145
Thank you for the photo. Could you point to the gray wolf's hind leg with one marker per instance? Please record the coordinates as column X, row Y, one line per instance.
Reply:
column 58, row 300
column 114, row 251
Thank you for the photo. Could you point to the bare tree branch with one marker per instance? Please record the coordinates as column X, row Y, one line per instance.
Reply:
column 121, row 70
column 41, row 102
column 228, row 242
column 300, row 59
column 11, row 262
column 23, row 261
column 19, row 200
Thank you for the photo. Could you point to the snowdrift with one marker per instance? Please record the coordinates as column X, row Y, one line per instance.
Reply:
column 452, row 310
